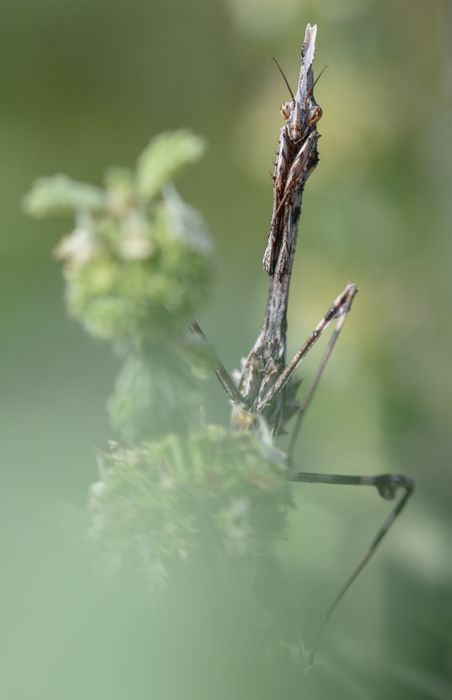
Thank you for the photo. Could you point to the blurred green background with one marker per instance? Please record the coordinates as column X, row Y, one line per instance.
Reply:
column 85, row 85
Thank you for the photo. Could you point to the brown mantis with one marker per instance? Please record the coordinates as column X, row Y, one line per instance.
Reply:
column 265, row 388
column 295, row 159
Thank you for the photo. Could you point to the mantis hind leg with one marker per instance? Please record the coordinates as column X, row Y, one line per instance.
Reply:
column 387, row 486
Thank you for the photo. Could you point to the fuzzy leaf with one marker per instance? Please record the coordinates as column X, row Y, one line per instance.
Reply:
column 186, row 223
column 163, row 157
column 206, row 496
column 59, row 196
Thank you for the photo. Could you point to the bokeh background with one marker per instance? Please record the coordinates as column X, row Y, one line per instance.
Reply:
column 84, row 85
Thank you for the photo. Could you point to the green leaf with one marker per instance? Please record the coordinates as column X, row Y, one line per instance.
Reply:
column 202, row 497
column 153, row 395
column 59, row 196
column 165, row 155
column 185, row 223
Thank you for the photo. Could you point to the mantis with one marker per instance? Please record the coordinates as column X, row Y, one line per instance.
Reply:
column 265, row 389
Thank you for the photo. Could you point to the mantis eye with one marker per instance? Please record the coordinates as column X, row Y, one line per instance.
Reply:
column 314, row 115
column 286, row 109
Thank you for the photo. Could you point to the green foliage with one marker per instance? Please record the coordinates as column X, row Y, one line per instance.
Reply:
column 61, row 196
column 154, row 394
column 136, row 270
column 164, row 156
column 175, row 493
column 144, row 283
column 212, row 494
